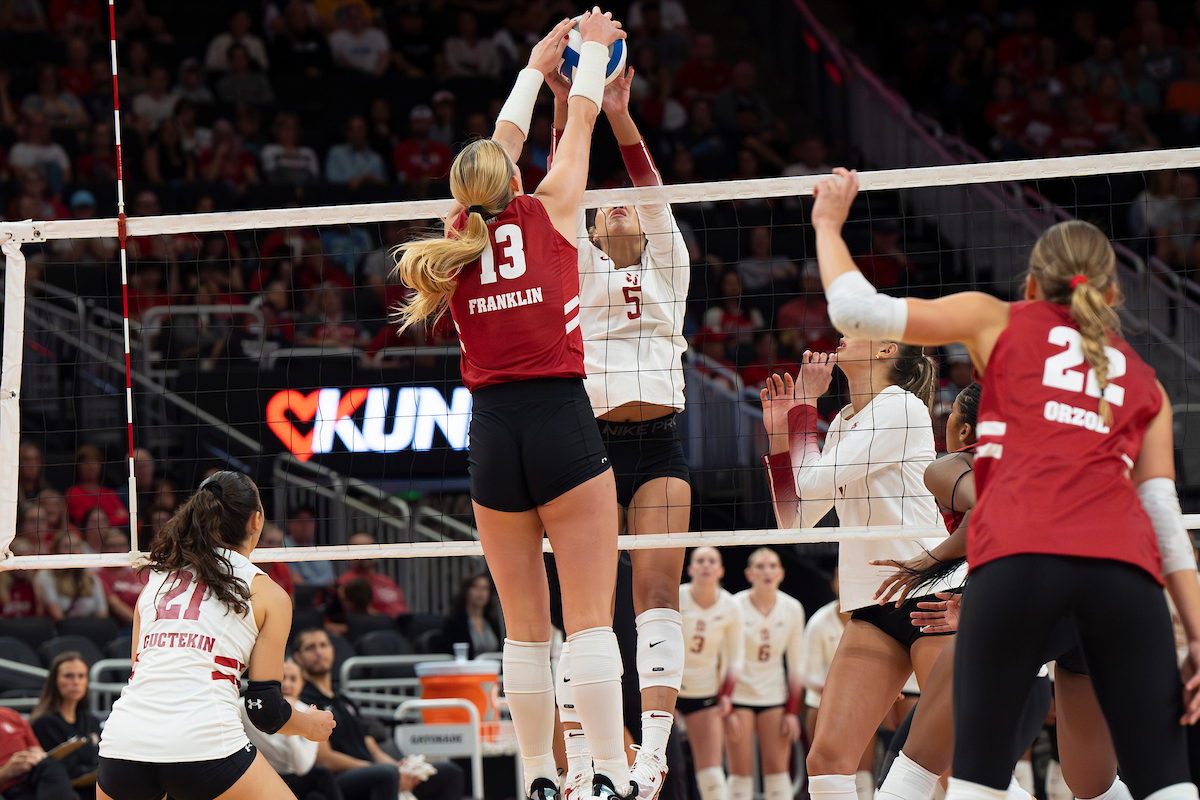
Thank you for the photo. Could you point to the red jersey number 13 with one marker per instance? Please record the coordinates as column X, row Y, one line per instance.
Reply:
column 512, row 253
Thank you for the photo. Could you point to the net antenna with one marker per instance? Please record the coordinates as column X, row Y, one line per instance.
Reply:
column 133, row 499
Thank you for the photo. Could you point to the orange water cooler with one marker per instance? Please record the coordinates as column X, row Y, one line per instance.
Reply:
column 468, row 680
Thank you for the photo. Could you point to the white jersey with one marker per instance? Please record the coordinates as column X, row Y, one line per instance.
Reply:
column 763, row 681
column 712, row 642
column 632, row 318
column 182, row 702
column 822, row 635
column 872, row 472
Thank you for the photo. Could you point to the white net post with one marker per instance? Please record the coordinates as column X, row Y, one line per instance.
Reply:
column 10, row 378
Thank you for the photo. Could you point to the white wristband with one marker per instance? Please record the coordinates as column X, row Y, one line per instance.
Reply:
column 589, row 75
column 1162, row 506
column 858, row 311
column 518, row 108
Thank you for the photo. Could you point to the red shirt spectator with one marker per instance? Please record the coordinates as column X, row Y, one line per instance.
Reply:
column 1017, row 53
column 704, row 74
column 279, row 572
column 388, row 598
column 82, row 499
column 124, row 582
column 74, row 16
column 15, row 737
column 420, row 159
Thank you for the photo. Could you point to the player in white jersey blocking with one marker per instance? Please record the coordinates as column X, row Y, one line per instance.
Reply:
column 634, row 271
column 870, row 471
column 713, row 651
column 205, row 616
column 767, row 697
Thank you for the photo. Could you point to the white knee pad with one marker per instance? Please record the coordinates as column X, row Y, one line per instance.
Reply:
column 711, row 783
column 595, row 657
column 966, row 790
column 741, row 787
column 832, row 787
column 562, row 687
column 660, row 648
column 527, row 667
column 777, row 786
column 1118, row 791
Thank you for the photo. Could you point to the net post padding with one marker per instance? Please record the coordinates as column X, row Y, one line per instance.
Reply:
column 768, row 537
column 10, row 379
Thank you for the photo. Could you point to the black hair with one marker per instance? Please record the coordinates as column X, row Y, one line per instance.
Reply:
column 968, row 403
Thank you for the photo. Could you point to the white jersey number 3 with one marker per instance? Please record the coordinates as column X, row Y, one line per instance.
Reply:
column 1060, row 370
column 513, row 251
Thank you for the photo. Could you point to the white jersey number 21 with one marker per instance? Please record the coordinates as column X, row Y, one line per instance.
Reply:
column 513, row 251
column 1060, row 370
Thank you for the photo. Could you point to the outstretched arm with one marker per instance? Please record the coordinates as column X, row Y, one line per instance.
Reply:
column 856, row 309
column 512, row 126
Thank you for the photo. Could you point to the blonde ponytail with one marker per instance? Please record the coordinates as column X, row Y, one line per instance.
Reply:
column 480, row 180
column 1074, row 264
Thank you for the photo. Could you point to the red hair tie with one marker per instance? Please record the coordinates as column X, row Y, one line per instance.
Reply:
column 1078, row 279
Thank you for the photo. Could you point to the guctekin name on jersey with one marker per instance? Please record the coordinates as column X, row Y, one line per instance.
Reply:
column 495, row 302
column 195, row 640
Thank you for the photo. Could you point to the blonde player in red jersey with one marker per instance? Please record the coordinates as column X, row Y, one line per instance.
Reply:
column 206, row 615
column 506, row 271
column 1077, row 516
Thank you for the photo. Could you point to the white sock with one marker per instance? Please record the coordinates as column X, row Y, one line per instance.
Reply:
column 656, row 729
column 711, row 783
column 864, row 784
column 1118, row 791
column 832, row 787
column 741, row 787
column 1023, row 772
column 907, row 780
column 1015, row 792
column 1056, row 785
column 1178, row 791
column 966, row 790
column 777, row 786
column 579, row 760
column 529, row 689
column 596, row 690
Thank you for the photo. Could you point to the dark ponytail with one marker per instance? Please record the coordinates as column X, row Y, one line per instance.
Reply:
column 968, row 403
column 915, row 372
column 214, row 518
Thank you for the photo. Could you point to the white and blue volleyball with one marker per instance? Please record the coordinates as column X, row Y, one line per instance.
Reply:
column 616, row 56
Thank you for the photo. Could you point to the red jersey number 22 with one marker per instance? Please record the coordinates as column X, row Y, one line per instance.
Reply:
column 511, row 244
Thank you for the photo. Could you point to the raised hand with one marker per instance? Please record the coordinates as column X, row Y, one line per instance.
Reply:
column 778, row 398
column 560, row 86
column 834, row 195
column 600, row 27
column 816, row 371
column 616, row 94
column 547, row 54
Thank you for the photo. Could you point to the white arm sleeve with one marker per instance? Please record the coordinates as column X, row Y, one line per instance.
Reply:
column 518, row 109
column 1162, row 506
column 857, row 310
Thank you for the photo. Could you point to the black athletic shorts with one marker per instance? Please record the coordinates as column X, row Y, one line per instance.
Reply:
column 532, row 441
column 643, row 451
column 1064, row 648
column 897, row 622
column 690, row 705
column 756, row 709
column 182, row 780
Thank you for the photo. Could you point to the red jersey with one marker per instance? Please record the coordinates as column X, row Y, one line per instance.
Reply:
column 1050, row 475
column 517, row 307
column 15, row 736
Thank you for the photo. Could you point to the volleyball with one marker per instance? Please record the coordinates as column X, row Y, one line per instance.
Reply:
column 570, row 60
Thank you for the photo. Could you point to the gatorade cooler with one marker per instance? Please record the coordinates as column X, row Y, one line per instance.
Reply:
column 469, row 680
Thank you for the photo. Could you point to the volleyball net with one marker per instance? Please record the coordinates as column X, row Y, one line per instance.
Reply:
column 259, row 341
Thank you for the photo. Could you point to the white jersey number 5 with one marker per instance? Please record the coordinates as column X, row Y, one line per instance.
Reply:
column 514, row 252
column 1060, row 370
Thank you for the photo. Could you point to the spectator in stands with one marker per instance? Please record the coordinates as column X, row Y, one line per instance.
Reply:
column 326, row 323
column 26, row 772
column 1017, row 53
column 1039, row 128
column 467, row 54
column 36, row 150
column 445, row 126
column 356, row 597
column 196, row 341
column 71, row 592
column 1161, row 61
column 166, row 161
column 123, row 584
column 1134, row 133
column 20, row 592
column 196, row 138
column 77, row 18
column 417, row 50
column 389, row 598
column 134, row 74
column 803, row 322
column 53, row 508
column 742, row 93
column 158, row 102
column 702, row 139
column 294, row 757
column 218, row 57
column 272, row 536
column 808, row 158
column 671, row 45
column 381, row 133
column 420, row 160
column 513, row 41
column 1153, row 211
column 1136, row 85
column 192, row 87
column 703, row 75
column 364, row 769
column 1183, row 95
column 474, row 618
column 62, row 714
column 1106, row 107
column 98, row 162
column 92, row 529
column 652, row 92
column 1103, row 60
column 768, row 360
column 157, row 517
column 279, row 319
column 59, row 108
column 226, row 161
column 727, row 317
column 87, row 492
column 380, row 264
column 968, row 73
column 241, row 84
column 763, row 272
column 285, row 160
column 137, row 24
column 98, row 249
column 31, row 470
column 672, row 15
column 46, row 523
column 356, row 45
column 886, row 265
column 302, row 532
column 353, row 163
column 300, row 51
column 1078, row 137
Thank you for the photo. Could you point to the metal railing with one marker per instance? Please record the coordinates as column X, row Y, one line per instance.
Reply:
column 381, row 696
